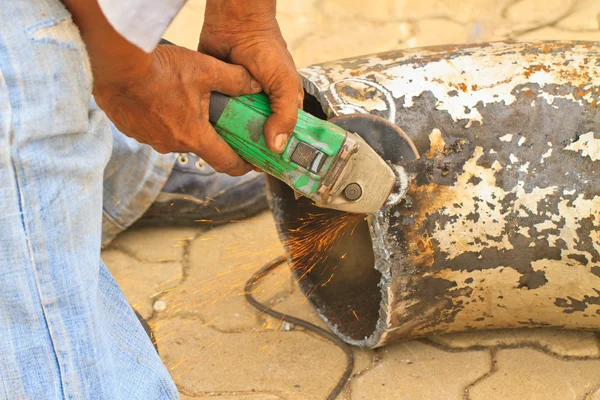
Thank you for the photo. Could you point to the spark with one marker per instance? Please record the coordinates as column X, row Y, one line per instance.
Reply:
column 161, row 292
column 315, row 236
column 328, row 280
column 201, row 202
column 355, row 316
column 310, row 294
column 280, row 322
column 459, row 242
column 200, row 359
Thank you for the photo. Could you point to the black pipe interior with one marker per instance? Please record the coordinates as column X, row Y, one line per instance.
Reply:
column 351, row 299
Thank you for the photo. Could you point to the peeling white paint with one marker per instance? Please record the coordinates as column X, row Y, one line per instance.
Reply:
column 530, row 200
column 542, row 226
column 523, row 230
column 506, row 138
column 572, row 215
column 483, row 199
column 588, row 145
column 479, row 77
column 545, row 155
column 525, row 167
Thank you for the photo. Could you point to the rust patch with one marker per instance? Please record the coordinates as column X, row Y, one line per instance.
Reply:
column 436, row 144
column 528, row 71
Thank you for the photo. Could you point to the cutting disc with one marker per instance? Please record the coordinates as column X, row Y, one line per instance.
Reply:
column 387, row 139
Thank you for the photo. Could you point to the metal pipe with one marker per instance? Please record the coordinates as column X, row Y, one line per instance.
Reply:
column 500, row 226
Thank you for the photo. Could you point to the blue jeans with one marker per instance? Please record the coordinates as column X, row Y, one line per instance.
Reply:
column 66, row 329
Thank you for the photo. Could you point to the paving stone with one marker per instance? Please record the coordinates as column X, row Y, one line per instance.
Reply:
column 296, row 20
column 465, row 12
column 527, row 14
column 295, row 27
column 363, row 359
column 557, row 341
column 594, row 395
column 434, row 32
column 558, row 34
column 156, row 244
column 297, row 306
column 585, row 17
column 308, row 7
column 185, row 28
column 292, row 364
column 414, row 370
column 529, row 374
column 335, row 38
column 141, row 280
column 257, row 396
column 376, row 11
column 219, row 264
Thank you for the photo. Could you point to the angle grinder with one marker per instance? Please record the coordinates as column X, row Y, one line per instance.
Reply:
column 331, row 162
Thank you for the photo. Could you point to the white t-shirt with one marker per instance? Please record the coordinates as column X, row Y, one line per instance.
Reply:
column 142, row 22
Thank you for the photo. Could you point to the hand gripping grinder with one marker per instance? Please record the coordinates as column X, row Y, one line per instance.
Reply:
column 326, row 161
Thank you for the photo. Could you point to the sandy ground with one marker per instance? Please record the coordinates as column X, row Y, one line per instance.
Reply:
column 188, row 281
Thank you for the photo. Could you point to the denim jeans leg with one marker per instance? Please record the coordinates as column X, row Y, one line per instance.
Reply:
column 67, row 330
column 133, row 179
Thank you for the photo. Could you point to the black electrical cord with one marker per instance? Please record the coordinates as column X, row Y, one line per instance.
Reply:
column 261, row 273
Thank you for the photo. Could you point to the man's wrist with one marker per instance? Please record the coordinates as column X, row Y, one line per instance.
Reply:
column 116, row 63
column 240, row 15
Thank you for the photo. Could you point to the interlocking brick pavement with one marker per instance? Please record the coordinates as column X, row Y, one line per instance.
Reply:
column 189, row 282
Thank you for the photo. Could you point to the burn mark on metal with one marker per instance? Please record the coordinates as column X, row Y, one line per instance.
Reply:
column 501, row 224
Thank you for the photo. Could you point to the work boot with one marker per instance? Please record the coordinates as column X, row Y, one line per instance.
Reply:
column 196, row 194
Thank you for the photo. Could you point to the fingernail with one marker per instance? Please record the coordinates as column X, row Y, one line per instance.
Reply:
column 281, row 141
column 255, row 85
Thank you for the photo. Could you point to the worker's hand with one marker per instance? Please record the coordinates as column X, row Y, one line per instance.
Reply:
column 246, row 33
column 166, row 106
column 160, row 98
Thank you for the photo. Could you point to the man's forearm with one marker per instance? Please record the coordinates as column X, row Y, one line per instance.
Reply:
column 114, row 60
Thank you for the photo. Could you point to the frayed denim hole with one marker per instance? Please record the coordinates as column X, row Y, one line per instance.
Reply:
column 62, row 32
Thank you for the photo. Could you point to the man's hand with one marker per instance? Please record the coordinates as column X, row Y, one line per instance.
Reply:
column 246, row 33
column 167, row 106
column 160, row 98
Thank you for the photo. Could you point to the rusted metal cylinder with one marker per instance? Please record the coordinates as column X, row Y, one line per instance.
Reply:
column 500, row 226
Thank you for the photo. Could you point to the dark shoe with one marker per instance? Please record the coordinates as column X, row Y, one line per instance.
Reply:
column 196, row 194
